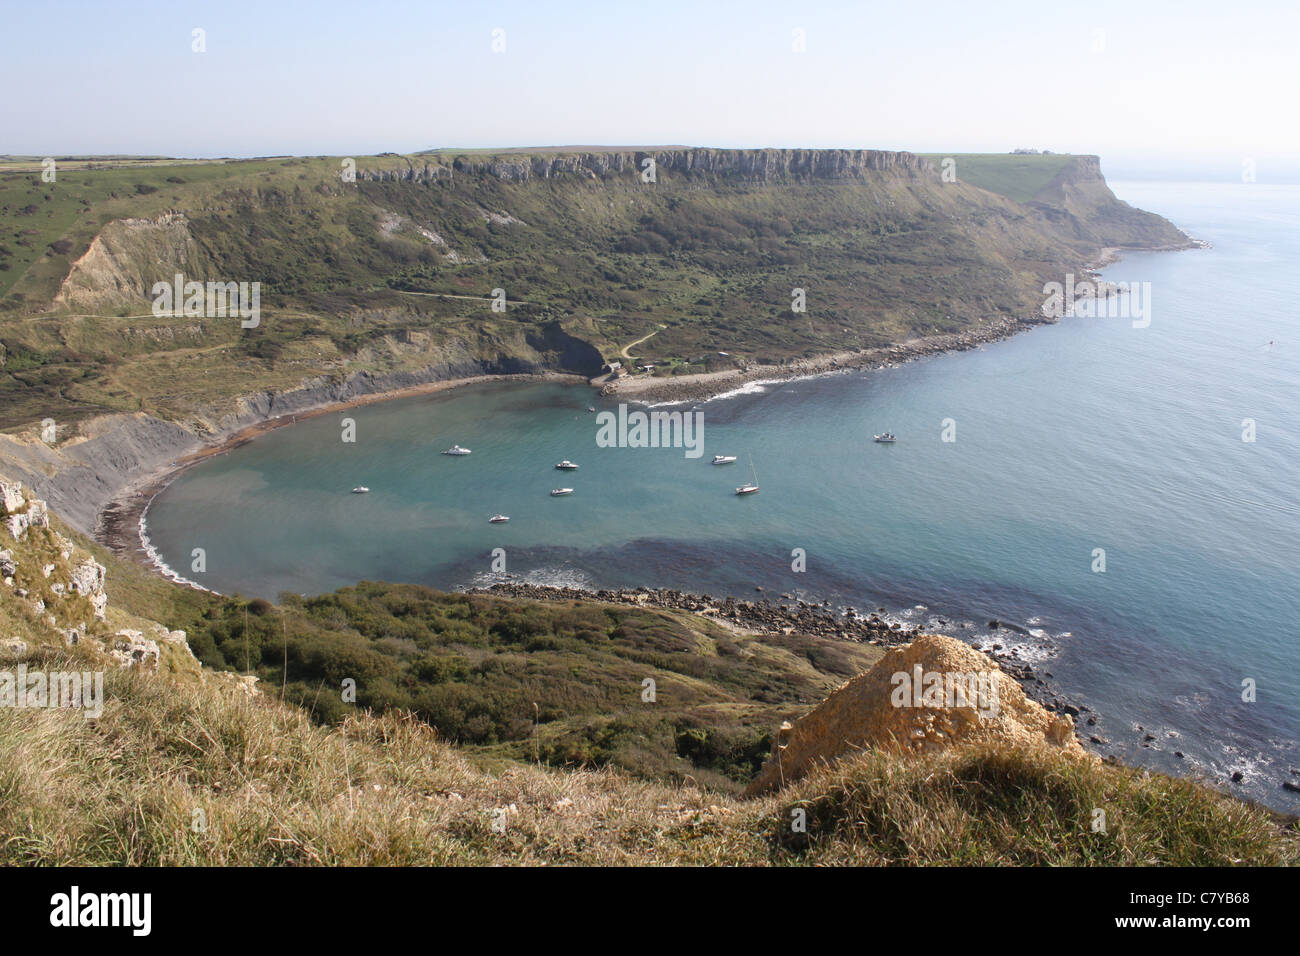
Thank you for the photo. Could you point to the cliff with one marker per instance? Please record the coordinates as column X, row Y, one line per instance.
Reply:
column 752, row 165
column 1079, row 202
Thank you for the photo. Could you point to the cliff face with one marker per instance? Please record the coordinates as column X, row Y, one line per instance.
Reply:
column 1080, row 203
column 754, row 165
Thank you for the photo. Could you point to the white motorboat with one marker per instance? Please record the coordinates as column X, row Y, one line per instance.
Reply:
column 456, row 450
column 567, row 465
column 499, row 519
column 361, row 490
column 886, row 438
column 557, row 492
column 723, row 459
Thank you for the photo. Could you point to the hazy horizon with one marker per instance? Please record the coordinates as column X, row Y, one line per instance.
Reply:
column 1190, row 90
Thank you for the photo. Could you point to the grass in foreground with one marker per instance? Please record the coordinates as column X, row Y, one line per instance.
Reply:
column 202, row 774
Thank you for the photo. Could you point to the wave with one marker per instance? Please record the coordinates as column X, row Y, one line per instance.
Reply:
column 156, row 559
column 549, row 577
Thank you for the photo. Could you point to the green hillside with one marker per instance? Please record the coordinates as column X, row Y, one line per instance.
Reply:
column 396, row 270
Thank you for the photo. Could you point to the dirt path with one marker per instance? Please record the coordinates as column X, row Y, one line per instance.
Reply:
column 632, row 345
column 472, row 298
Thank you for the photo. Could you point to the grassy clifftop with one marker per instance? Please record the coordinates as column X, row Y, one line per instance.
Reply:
column 201, row 774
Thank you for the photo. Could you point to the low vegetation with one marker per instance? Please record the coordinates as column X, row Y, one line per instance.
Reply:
column 576, row 683
column 203, row 774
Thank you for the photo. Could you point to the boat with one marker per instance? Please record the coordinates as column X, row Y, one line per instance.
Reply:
column 752, row 487
column 886, row 438
column 723, row 459
column 591, row 408
column 499, row 519
column 557, row 492
column 361, row 490
column 456, row 450
column 567, row 465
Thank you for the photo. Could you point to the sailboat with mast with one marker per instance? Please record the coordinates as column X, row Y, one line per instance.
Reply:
column 752, row 487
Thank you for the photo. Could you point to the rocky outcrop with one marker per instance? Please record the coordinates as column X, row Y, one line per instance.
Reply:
column 932, row 694
column 88, row 581
column 21, row 514
column 132, row 649
column 60, row 590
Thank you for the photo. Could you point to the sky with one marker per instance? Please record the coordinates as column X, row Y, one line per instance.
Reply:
column 1156, row 88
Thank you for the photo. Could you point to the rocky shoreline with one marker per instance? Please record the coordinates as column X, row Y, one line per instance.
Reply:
column 789, row 615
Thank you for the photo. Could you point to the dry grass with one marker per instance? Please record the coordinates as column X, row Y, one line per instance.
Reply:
column 273, row 789
column 988, row 806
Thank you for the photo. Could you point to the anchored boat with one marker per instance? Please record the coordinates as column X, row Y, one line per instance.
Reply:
column 557, row 492
column 752, row 487
column 456, row 450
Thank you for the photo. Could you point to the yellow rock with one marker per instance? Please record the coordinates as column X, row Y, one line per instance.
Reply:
column 934, row 693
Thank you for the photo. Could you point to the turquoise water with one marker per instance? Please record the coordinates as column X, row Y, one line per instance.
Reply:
column 1082, row 435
